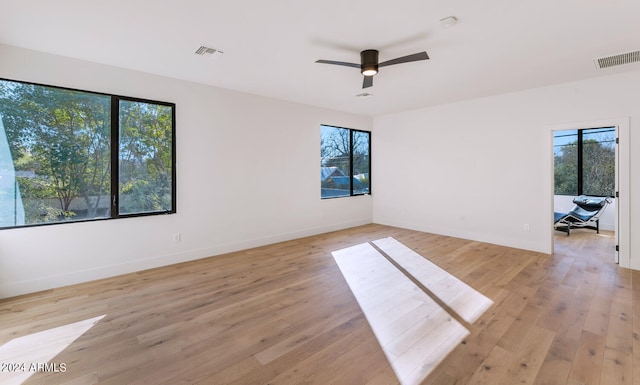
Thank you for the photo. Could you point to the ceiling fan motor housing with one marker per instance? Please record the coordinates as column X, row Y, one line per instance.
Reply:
column 369, row 61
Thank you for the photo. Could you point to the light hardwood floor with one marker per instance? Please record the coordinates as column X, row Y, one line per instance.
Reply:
column 283, row 314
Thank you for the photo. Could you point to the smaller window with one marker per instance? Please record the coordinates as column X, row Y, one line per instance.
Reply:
column 145, row 163
column 345, row 162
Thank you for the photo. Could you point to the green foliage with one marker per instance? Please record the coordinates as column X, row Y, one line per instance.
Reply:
column 60, row 142
column 63, row 138
column 145, row 157
column 566, row 171
column 598, row 169
column 38, row 205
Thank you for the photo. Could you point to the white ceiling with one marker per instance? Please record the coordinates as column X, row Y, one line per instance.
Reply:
column 270, row 46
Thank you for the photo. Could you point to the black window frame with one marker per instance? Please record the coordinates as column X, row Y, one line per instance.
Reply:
column 351, row 141
column 580, row 158
column 115, row 156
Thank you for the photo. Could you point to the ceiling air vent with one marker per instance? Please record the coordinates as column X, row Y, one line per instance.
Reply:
column 616, row 60
column 208, row 51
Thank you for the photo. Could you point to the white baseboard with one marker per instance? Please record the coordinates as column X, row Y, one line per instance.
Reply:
column 54, row 281
column 485, row 238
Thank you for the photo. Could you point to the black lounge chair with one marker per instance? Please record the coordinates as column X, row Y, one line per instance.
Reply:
column 585, row 214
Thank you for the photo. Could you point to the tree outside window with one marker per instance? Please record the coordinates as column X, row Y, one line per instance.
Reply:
column 345, row 162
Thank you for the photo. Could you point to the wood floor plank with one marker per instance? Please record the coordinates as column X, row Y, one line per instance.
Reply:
column 526, row 364
column 587, row 366
column 617, row 368
column 553, row 372
column 494, row 367
column 514, row 338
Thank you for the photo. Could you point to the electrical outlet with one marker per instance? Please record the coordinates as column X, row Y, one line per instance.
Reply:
column 177, row 237
column 526, row 227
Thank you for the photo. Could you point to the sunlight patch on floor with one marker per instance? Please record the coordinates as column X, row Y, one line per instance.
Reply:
column 457, row 295
column 414, row 331
column 33, row 353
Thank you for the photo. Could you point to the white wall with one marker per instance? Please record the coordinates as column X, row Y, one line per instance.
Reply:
column 247, row 171
column 481, row 169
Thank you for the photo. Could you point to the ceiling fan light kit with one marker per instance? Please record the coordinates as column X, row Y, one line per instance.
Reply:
column 369, row 63
column 369, row 60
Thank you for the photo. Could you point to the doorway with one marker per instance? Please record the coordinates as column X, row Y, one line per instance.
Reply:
column 576, row 150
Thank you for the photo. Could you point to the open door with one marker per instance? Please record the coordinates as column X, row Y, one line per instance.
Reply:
column 617, row 196
column 620, row 209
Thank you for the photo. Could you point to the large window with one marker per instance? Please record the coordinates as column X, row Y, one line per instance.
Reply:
column 69, row 155
column 345, row 162
column 584, row 161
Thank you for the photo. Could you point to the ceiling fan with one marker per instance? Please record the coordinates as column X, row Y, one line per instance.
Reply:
column 369, row 63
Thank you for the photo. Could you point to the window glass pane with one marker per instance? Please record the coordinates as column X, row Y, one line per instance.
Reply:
column 54, row 154
column 335, row 147
column 598, row 161
column 361, row 165
column 565, row 150
column 145, row 159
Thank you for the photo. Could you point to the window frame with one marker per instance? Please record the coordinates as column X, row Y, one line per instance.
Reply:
column 114, row 160
column 351, row 134
column 580, row 158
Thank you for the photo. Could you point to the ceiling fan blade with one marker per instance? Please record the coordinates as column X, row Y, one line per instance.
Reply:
column 405, row 59
column 368, row 82
column 340, row 63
